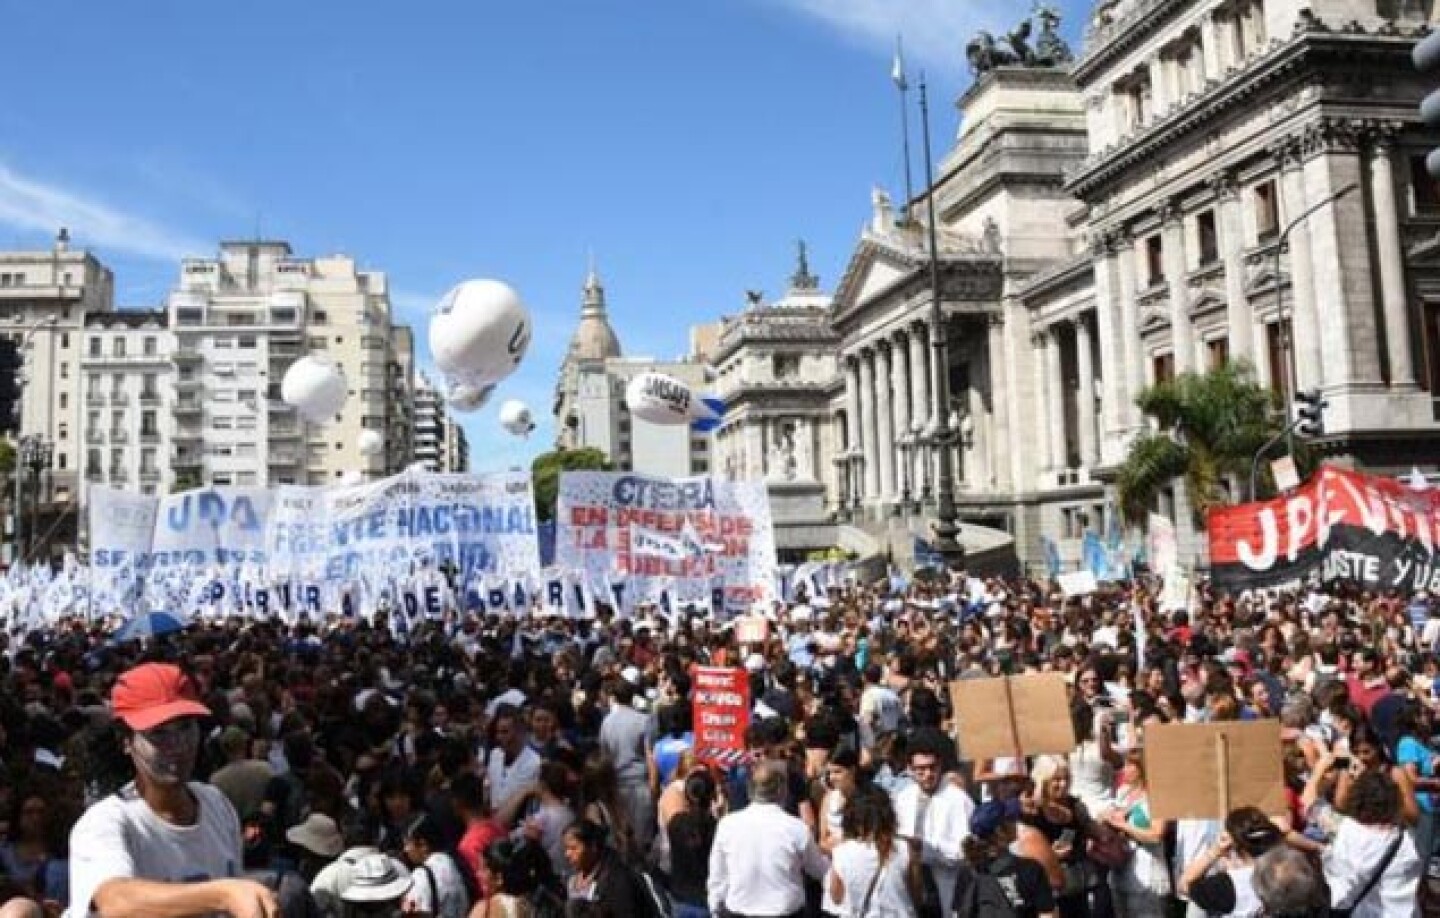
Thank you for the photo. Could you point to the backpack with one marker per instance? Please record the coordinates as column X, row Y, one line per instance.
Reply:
column 652, row 900
column 982, row 896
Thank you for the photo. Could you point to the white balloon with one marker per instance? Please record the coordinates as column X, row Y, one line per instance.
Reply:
column 466, row 395
column 315, row 385
column 516, row 418
column 352, row 477
column 370, row 443
column 480, row 329
column 662, row 399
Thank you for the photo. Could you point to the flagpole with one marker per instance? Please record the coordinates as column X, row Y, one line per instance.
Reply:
column 897, row 75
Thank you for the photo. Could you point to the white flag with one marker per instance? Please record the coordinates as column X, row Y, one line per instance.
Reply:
column 897, row 69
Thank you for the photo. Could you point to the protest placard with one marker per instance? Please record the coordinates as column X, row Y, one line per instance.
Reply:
column 752, row 629
column 1206, row 771
column 1078, row 583
column 720, row 708
column 1013, row 715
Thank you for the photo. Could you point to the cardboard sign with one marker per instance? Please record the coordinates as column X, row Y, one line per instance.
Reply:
column 1206, row 771
column 1078, row 583
column 1013, row 715
column 720, row 705
column 752, row 629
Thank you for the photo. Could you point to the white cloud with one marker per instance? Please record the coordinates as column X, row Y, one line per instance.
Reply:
column 34, row 205
column 934, row 31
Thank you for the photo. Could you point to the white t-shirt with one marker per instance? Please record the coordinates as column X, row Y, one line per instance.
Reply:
column 504, row 780
column 856, row 863
column 454, row 902
column 121, row 837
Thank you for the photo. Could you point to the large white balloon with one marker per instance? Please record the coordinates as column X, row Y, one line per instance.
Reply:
column 467, row 395
column 315, row 386
column 480, row 330
column 352, row 478
column 370, row 443
column 516, row 418
column 662, row 399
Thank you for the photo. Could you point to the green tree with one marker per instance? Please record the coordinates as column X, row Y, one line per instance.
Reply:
column 1208, row 426
column 545, row 472
column 186, row 481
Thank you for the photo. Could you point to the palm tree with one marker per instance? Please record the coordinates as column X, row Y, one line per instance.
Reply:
column 1208, row 426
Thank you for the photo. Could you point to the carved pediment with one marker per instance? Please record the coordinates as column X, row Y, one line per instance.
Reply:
column 1206, row 302
column 1262, row 278
column 873, row 269
column 1154, row 318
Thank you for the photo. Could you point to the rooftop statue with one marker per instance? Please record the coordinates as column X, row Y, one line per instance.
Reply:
column 985, row 53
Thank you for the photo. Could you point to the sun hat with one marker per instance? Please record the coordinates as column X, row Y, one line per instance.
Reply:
column 154, row 693
column 318, row 834
column 377, row 878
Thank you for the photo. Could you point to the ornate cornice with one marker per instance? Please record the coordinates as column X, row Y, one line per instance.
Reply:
column 1386, row 46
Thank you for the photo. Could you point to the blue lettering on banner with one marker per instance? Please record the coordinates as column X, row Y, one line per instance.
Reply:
column 347, row 605
column 433, row 608
column 554, row 593
column 312, row 597
column 412, row 604
column 496, row 598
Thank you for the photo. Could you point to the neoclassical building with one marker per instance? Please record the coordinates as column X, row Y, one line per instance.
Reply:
column 1113, row 221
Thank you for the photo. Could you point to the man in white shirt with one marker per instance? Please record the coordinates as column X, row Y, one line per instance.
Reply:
column 512, row 765
column 934, row 812
column 762, row 854
column 163, row 846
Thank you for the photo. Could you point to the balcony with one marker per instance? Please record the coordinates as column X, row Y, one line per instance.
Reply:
column 118, row 476
column 119, row 398
column 187, row 358
column 188, row 406
column 94, row 436
column 94, row 474
column 150, row 437
column 187, row 436
column 149, row 476
column 192, row 385
column 94, row 398
column 119, row 436
column 284, row 457
column 149, row 398
column 187, row 461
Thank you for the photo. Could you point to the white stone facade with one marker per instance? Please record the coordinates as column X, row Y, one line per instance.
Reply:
column 127, row 423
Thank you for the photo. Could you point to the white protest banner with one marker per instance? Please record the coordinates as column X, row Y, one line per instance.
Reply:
column 122, row 526
column 598, row 513
column 1161, row 542
column 1078, row 583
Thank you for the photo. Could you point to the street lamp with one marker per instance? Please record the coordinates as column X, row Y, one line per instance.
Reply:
column 906, row 443
column 943, row 436
column 20, row 383
column 1287, row 330
column 35, row 454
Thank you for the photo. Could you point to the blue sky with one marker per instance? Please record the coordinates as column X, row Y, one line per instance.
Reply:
column 686, row 143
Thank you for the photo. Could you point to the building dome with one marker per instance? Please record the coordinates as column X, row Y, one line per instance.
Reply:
column 594, row 338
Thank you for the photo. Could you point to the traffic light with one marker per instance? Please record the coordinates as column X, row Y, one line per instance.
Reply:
column 1426, row 55
column 1310, row 413
column 11, row 366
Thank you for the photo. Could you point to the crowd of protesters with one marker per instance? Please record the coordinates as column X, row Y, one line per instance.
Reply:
column 533, row 766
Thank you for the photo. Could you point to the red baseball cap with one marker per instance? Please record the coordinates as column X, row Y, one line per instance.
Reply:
column 151, row 694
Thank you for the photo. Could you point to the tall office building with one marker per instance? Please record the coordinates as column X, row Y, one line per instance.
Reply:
column 240, row 320
column 127, row 419
column 439, row 442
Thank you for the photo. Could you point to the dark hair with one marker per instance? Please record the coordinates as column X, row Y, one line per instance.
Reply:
column 623, row 692
column 589, row 834
column 1252, row 831
column 426, row 828
column 870, row 815
column 1374, row 799
column 1364, row 734
column 468, row 791
column 521, row 866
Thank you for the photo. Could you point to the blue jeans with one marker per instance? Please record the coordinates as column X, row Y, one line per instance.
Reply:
column 691, row 911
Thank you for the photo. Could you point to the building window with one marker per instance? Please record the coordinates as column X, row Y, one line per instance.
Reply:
column 92, row 462
column 1217, row 352
column 316, row 343
column 151, row 346
column 62, row 460
column 246, row 342
column 1267, row 212
column 1209, row 244
column 1155, row 260
column 63, row 431
column 1432, row 347
column 64, row 370
column 94, row 346
column 117, row 347
column 1163, row 367
column 64, row 339
column 147, row 461
column 319, row 317
column 222, row 343
column 148, row 426
column 786, row 366
column 1275, row 334
column 64, row 400
column 1423, row 187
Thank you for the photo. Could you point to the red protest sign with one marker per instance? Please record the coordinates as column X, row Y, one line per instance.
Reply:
column 720, row 699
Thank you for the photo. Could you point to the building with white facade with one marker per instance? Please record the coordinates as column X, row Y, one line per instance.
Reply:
column 1116, row 220
column 127, row 422
column 240, row 319
column 45, row 297
column 457, row 447
column 590, row 408
column 776, row 369
column 429, row 436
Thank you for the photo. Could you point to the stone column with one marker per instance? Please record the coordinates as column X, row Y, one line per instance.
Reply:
column 901, row 389
column 1130, row 344
column 1055, row 400
column 1304, row 322
column 1210, row 46
column 1112, row 361
column 1085, row 401
column 885, row 422
column 1392, row 257
column 867, row 412
column 852, row 404
column 920, row 354
column 1182, row 335
column 1238, row 315
column 1000, row 384
column 1040, row 425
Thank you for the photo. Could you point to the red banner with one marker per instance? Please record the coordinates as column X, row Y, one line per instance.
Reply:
column 720, row 697
column 1341, row 524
